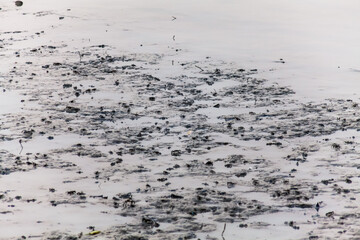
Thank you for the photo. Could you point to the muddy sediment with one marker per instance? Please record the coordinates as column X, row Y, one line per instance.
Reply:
column 175, row 157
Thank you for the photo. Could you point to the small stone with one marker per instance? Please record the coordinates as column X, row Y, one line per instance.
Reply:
column 175, row 153
column 69, row 109
column 230, row 184
column 19, row 3
column 330, row 214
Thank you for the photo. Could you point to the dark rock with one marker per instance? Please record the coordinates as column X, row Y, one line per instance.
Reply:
column 241, row 174
column 19, row 3
column 174, row 196
column 162, row 179
column 230, row 184
column 176, row 153
column 148, row 222
column 69, row 109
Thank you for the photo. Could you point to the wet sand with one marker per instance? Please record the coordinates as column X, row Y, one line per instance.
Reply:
column 154, row 141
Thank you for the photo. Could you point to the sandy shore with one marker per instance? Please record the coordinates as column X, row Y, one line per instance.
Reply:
column 154, row 141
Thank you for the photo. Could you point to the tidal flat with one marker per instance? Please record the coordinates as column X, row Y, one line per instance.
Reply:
column 121, row 120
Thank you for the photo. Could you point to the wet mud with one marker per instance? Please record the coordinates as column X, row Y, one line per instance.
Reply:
column 176, row 150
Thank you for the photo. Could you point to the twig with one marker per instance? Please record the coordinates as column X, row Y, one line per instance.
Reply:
column 222, row 234
column 79, row 56
column 199, row 68
column 20, row 141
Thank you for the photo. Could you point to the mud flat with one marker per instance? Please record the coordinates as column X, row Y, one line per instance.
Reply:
column 99, row 142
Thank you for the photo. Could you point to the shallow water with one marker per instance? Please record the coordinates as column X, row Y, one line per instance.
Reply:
column 31, row 218
column 317, row 40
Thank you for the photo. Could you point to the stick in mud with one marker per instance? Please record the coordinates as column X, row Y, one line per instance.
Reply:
column 20, row 141
column 79, row 55
column 222, row 234
column 199, row 68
